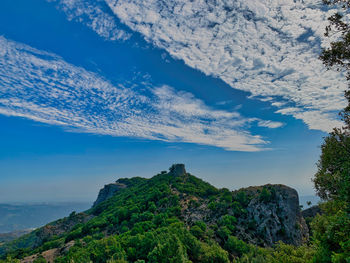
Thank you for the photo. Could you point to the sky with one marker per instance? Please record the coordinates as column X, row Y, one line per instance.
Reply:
column 95, row 90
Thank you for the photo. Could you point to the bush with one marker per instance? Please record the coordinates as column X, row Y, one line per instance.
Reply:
column 213, row 253
column 197, row 232
column 228, row 221
column 265, row 195
column 235, row 246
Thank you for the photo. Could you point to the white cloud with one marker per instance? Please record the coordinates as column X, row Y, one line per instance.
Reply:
column 92, row 14
column 269, row 48
column 270, row 124
column 43, row 87
column 315, row 120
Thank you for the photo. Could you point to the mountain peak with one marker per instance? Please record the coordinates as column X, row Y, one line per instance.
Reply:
column 173, row 203
column 177, row 169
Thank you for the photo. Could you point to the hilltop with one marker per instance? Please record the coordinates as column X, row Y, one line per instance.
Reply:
column 172, row 217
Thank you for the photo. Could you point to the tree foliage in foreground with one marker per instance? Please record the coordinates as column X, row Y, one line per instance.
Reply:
column 337, row 56
column 331, row 231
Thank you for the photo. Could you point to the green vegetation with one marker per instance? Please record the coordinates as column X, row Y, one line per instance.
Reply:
column 331, row 230
column 184, row 219
column 145, row 222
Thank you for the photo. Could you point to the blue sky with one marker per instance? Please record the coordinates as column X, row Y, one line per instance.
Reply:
column 91, row 91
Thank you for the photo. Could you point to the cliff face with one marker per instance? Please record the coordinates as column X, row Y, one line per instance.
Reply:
column 270, row 213
column 108, row 191
column 177, row 170
column 277, row 215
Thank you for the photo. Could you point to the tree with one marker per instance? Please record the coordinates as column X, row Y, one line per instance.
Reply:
column 331, row 231
column 337, row 56
column 332, row 180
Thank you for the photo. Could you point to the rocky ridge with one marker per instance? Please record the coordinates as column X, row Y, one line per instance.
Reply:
column 272, row 212
column 108, row 191
column 260, row 215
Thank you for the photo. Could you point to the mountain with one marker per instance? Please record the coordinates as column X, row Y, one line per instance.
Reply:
column 6, row 237
column 17, row 217
column 172, row 217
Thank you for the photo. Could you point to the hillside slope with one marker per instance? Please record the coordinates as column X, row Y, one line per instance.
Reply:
column 171, row 217
column 18, row 217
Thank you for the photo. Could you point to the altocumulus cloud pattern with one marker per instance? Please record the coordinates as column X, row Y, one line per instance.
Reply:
column 266, row 47
column 43, row 87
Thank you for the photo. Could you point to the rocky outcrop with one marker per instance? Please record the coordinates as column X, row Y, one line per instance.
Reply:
column 59, row 227
column 108, row 191
column 274, row 215
column 271, row 213
column 49, row 255
column 177, row 170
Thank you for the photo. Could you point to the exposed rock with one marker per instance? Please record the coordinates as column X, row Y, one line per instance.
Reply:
column 60, row 227
column 108, row 191
column 200, row 212
column 66, row 247
column 274, row 214
column 177, row 170
column 49, row 255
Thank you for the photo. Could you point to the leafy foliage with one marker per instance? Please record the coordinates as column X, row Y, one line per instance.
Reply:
column 332, row 181
column 331, row 231
column 332, row 234
column 338, row 54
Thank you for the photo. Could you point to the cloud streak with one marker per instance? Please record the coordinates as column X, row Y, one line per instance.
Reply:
column 268, row 48
column 93, row 14
column 43, row 87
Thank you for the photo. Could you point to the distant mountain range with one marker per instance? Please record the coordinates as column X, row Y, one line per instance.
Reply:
column 6, row 237
column 15, row 217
